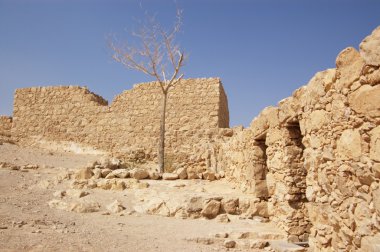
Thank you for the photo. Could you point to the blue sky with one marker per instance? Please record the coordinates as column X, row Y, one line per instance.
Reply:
column 262, row 50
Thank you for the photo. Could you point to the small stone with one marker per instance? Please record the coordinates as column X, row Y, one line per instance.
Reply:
column 84, row 173
column 97, row 173
column 115, row 207
column 208, row 175
column 110, row 176
column 84, row 207
column 58, row 204
column 169, row 176
column 182, row 173
column 230, row 206
column 139, row 174
column 192, row 175
column 178, row 185
column 222, row 218
column 258, row 244
column 211, row 209
column 105, row 172
column 229, row 244
column 221, row 235
column 120, row 173
column 154, row 175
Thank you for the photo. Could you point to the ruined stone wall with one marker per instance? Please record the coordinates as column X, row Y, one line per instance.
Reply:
column 129, row 125
column 322, row 151
column 5, row 128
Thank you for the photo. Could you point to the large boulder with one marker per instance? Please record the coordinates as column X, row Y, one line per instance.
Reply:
column 370, row 48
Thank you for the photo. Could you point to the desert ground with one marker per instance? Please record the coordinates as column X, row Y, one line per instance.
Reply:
column 40, row 211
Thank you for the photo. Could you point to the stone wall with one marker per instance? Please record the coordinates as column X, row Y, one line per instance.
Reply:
column 74, row 115
column 311, row 164
column 5, row 128
column 315, row 159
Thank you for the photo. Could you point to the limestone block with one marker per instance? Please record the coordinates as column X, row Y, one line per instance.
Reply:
column 273, row 136
column 154, row 175
column 208, row 175
column 120, row 173
column 370, row 48
column 211, row 209
column 259, row 125
column 375, row 144
column 272, row 116
column 349, row 66
column 370, row 244
column 349, row 145
column 231, row 205
column 84, row 207
column 376, row 170
column 105, row 172
column 169, row 176
column 260, row 188
column 258, row 209
column 84, row 173
column 115, row 207
column 365, row 100
column 139, row 174
column 317, row 87
column 287, row 109
column 376, row 200
column 316, row 120
column 271, row 184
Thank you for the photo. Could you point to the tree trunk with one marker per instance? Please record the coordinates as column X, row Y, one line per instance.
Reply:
column 161, row 146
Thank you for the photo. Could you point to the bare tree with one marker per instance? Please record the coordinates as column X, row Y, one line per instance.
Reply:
column 156, row 55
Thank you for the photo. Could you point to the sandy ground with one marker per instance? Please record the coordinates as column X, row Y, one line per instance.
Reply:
column 27, row 223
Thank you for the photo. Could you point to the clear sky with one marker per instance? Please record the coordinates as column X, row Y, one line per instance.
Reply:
column 262, row 50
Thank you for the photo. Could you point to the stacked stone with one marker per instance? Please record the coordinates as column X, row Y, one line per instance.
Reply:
column 56, row 114
column 5, row 128
column 287, row 182
column 340, row 121
column 323, row 154
column 196, row 109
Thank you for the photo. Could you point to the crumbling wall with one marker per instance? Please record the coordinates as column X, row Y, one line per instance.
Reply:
column 130, row 125
column 5, row 128
column 322, row 155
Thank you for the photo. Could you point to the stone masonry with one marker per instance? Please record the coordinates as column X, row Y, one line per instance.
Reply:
column 130, row 125
column 5, row 128
column 311, row 164
column 315, row 158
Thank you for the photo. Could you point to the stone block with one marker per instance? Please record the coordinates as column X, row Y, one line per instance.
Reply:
column 370, row 48
column 365, row 100
column 349, row 145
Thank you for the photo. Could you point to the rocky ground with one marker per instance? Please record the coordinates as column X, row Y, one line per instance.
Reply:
column 49, row 202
